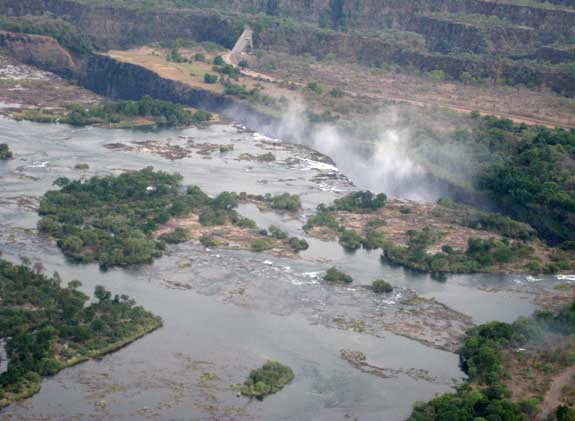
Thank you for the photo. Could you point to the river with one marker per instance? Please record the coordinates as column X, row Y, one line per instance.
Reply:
column 226, row 312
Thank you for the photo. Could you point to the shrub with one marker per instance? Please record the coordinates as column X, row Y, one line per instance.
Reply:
column 266, row 157
column 298, row 244
column 199, row 57
column 276, row 233
column 350, row 240
column 81, row 166
column 176, row 236
column 208, row 241
column 315, row 87
column 380, row 287
column 226, row 148
column 336, row 93
column 218, row 60
column 268, row 379
column 373, row 240
column 243, row 64
column 210, row 78
column 286, row 201
column 261, row 244
column 5, row 152
column 336, row 276
column 361, row 200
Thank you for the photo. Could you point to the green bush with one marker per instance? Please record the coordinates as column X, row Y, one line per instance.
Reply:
column 298, row 244
column 350, row 240
column 209, row 78
column 5, row 152
column 315, row 87
column 261, row 244
column 176, row 236
column 336, row 276
column 268, row 379
column 218, row 61
column 208, row 241
column 380, row 287
column 286, row 201
column 361, row 200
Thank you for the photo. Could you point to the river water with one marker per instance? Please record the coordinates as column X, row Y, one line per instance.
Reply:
column 226, row 312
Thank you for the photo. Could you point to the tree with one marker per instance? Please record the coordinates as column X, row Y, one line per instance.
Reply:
column 101, row 293
column 380, row 286
column 210, row 78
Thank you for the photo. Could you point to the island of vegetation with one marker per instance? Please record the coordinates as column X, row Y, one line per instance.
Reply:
column 122, row 114
column 47, row 326
column 512, row 369
column 126, row 219
column 439, row 238
column 268, row 379
column 337, row 277
column 5, row 152
column 380, row 286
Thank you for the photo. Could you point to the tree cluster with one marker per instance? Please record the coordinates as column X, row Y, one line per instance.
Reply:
column 483, row 396
column 268, row 379
column 48, row 326
column 164, row 113
column 479, row 256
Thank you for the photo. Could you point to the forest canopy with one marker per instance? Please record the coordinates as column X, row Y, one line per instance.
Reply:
column 47, row 326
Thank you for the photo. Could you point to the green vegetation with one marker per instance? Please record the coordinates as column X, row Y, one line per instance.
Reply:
column 380, row 286
column 5, row 152
column 336, row 276
column 359, row 201
column 179, row 235
column 253, row 95
column 218, row 61
column 274, row 233
column 285, row 201
column 111, row 219
column 66, row 35
column 298, row 244
column 526, row 170
column 268, row 379
column 350, row 239
column 489, row 221
column 175, row 56
column 481, row 255
column 208, row 241
column 323, row 218
column 315, row 87
column 266, row 157
column 209, row 78
column 524, row 177
column 48, row 327
column 261, row 244
column 81, row 167
column 484, row 395
column 123, row 114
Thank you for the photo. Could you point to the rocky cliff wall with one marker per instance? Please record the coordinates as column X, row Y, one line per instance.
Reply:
column 118, row 27
column 38, row 50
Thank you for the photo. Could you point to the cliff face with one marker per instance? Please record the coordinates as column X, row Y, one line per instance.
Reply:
column 378, row 52
column 114, row 79
column 38, row 50
column 118, row 27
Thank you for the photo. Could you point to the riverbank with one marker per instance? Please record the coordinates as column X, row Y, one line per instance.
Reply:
column 32, row 387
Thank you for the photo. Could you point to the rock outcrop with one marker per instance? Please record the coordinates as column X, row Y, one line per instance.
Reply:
column 38, row 50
